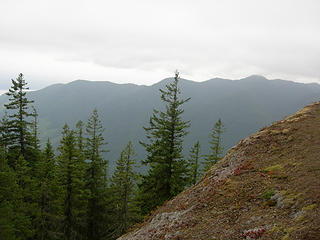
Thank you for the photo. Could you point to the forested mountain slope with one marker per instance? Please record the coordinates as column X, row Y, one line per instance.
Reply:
column 244, row 106
column 266, row 187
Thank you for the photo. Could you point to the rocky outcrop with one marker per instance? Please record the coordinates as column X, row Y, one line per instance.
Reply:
column 266, row 187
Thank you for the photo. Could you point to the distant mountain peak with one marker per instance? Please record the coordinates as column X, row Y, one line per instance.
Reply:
column 83, row 81
column 169, row 79
column 255, row 77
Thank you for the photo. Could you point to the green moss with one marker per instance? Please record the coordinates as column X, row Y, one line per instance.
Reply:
column 268, row 194
column 289, row 202
column 273, row 168
column 291, row 198
column 275, row 132
column 271, row 203
column 294, row 164
column 310, row 207
column 300, row 217
column 281, row 177
column 287, row 231
column 285, row 131
column 275, row 229
column 295, row 196
column 285, row 237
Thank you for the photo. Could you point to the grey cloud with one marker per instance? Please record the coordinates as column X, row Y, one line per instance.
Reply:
column 135, row 41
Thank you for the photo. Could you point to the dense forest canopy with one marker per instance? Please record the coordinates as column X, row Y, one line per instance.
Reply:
column 70, row 193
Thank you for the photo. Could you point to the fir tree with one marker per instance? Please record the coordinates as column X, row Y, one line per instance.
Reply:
column 95, row 178
column 20, row 155
column 34, row 151
column 79, row 133
column 7, row 219
column 34, row 131
column 71, row 180
column 8, row 195
column 4, row 135
column 18, row 120
column 14, row 222
column 167, row 173
column 216, row 148
column 49, row 190
column 194, row 163
column 123, row 185
column 29, row 194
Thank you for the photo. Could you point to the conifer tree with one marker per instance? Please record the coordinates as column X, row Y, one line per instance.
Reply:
column 18, row 151
column 4, row 134
column 34, row 151
column 95, row 178
column 49, row 190
column 71, row 170
column 18, row 123
column 8, row 195
column 194, row 163
column 14, row 222
column 123, row 185
column 167, row 175
column 216, row 148
column 29, row 193
column 79, row 133
column 35, row 142
column 7, row 218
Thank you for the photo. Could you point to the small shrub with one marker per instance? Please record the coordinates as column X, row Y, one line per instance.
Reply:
column 267, row 195
column 273, row 168
column 285, row 237
column 310, row 207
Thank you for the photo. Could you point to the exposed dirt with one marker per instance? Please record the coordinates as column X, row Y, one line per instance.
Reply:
column 266, row 187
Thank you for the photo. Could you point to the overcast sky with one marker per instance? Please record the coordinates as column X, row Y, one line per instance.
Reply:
column 144, row 41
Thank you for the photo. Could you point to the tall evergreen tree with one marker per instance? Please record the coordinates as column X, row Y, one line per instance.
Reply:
column 95, row 178
column 35, row 142
column 34, row 151
column 216, row 148
column 8, row 195
column 48, row 219
column 71, row 170
column 18, row 123
column 79, row 133
column 4, row 134
column 194, row 163
column 123, row 185
column 29, row 194
column 16, row 140
column 15, row 224
column 167, row 173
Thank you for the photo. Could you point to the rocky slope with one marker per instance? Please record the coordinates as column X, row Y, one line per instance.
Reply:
column 266, row 187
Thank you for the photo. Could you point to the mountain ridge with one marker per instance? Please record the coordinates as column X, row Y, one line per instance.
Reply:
column 124, row 108
column 255, row 77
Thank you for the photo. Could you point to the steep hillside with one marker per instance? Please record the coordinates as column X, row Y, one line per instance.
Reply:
column 266, row 187
column 245, row 106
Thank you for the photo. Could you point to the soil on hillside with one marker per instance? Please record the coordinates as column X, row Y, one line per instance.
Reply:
column 266, row 187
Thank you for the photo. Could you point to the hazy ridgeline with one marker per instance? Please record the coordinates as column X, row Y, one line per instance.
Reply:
column 244, row 106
